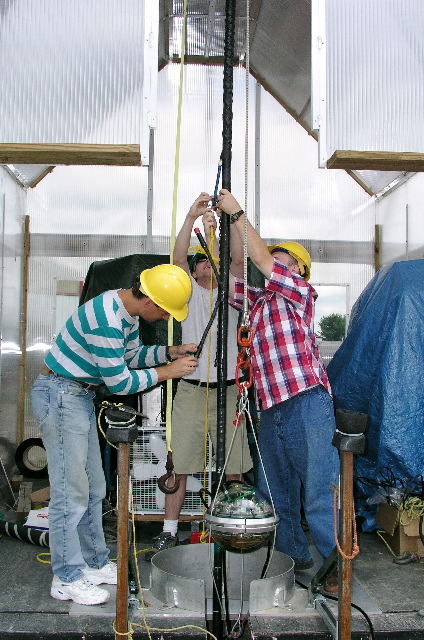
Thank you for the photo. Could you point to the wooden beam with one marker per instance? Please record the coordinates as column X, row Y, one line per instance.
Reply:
column 376, row 161
column 69, row 154
column 24, row 323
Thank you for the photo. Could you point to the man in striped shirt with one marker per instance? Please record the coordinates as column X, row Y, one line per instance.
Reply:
column 99, row 344
column 292, row 392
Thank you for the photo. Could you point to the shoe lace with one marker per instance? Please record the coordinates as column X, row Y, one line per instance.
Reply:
column 161, row 541
column 84, row 584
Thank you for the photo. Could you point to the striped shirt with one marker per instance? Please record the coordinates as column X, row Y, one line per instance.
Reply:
column 100, row 343
column 284, row 352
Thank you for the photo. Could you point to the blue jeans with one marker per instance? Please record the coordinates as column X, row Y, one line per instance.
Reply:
column 68, row 426
column 300, row 465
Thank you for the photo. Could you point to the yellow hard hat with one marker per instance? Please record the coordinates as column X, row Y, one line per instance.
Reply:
column 298, row 252
column 169, row 287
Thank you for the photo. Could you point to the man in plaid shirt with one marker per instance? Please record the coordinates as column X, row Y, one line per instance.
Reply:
column 292, row 391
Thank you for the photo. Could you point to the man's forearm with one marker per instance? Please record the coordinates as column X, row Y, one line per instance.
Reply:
column 182, row 242
column 256, row 247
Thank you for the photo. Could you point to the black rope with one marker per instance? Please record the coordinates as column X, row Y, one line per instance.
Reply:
column 224, row 256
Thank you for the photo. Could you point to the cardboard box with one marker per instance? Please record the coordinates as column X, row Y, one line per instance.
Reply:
column 400, row 538
column 42, row 495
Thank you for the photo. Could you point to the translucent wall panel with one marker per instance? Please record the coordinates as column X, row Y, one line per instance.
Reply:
column 73, row 72
column 325, row 210
column 401, row 218
column 368, row 75
column 298, row 198
column 100, row 201
column 12, row 206
column 201, row 140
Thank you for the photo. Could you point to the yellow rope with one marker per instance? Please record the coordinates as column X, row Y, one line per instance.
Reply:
column 204, row 537
column 101, row 428
column 174, row 217
column 39, row 556
column 410, row 510
column 132, row 626
column 144, row 604
column 380, row 535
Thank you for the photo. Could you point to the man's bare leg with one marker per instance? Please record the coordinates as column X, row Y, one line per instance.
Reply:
column 174, row 501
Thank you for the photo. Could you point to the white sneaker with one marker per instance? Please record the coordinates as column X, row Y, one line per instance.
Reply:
column 81, row 591
column 106, row 575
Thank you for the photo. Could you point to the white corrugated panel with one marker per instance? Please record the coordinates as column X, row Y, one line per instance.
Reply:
column 370, row 62
column 73, row 72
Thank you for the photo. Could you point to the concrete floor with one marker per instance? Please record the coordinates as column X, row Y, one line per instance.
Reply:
column 390, row 595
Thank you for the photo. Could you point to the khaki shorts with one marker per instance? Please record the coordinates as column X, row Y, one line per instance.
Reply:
column 188, row 430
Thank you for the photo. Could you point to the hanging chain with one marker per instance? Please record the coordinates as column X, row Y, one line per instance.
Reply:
column 245, row 320
column 244, row 334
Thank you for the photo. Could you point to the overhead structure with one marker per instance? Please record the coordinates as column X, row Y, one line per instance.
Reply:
column 79, row 83
column 53, row 99
column 368, row 85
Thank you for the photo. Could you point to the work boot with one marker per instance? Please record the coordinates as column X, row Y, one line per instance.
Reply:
column 331, row 585
column 164, row 540
column 303, row 566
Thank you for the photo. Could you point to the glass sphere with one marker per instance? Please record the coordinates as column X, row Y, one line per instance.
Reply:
column 240, row 518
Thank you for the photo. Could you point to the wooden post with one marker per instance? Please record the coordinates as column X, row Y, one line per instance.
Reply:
column 24, row 319
column 121, row 624
column 346, row 543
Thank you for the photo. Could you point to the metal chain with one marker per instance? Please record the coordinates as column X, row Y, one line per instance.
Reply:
column 245, row 320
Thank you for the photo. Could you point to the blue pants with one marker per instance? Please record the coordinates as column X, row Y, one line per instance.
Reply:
column 300, row 465
column 65, row 412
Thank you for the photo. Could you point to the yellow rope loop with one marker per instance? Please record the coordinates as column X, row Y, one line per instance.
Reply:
column 38, row 557
column 102, row 409
column 204, row 537
column 128, row 634
column 355, row 546
column 412, row 509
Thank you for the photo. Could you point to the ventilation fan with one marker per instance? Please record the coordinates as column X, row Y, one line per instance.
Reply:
column 153, row 466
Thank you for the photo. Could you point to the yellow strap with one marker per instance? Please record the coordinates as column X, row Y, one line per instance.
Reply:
column 174, row 218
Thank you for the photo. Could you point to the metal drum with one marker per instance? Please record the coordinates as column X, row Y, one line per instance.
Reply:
column 182, row 577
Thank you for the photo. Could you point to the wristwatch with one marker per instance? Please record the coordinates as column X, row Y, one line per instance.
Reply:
column 235, row 216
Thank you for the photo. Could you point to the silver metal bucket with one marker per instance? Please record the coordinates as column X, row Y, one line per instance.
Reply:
column 182, row 577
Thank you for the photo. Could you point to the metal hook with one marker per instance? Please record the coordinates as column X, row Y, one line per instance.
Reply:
column 162, row 481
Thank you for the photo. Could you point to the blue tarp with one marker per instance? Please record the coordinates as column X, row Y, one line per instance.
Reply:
column 379, row 370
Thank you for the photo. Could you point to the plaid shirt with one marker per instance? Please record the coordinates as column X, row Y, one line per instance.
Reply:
column 284, row 352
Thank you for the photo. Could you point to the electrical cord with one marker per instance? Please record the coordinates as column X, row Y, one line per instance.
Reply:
column 354, row 606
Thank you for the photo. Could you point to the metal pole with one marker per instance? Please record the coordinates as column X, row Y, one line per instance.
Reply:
column 224, row 240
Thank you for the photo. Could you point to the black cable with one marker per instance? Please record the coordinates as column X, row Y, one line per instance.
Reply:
column 354, row 606
column 268, row 557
